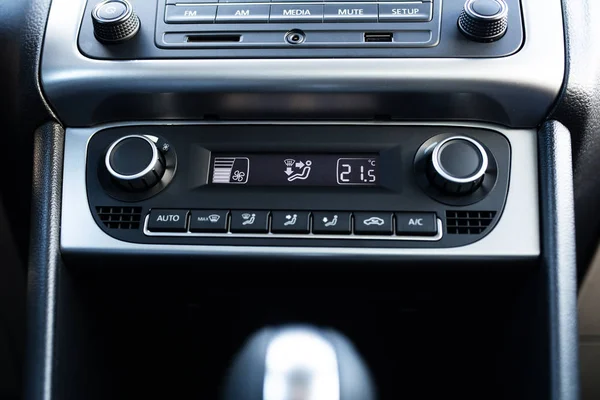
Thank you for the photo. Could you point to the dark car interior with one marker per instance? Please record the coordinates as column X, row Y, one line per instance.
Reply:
column 300, row 199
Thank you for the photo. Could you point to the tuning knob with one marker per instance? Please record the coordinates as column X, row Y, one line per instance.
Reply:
column 135, row 163
column 458, row 165
column 115, row 21
column 484, row 20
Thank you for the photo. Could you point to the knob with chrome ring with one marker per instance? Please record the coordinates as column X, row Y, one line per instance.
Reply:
column 458, row 165
column 134, row 162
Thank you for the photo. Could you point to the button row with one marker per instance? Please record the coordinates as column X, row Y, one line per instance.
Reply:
column 293, row 222
column 186, row 2
column 353, row 12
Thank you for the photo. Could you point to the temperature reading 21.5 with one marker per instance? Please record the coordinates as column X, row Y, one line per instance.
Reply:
column 356, row 171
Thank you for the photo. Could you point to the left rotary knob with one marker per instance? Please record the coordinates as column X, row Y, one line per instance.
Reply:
column 115, row 21
column 134, row 162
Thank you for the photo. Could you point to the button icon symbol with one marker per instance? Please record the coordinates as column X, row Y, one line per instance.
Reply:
column 415, row 221
column 110, row 10
column 231, row 170
column 214, row 218
column 374, row 221
column 333, row 222
column 291, row 220
column 248, row 218
column 238, row 176
column 297, row 169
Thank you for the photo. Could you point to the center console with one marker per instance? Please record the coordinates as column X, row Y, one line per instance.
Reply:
column 227, row 169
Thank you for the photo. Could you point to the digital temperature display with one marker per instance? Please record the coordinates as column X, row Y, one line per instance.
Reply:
column 295, row 169
column 356, row 171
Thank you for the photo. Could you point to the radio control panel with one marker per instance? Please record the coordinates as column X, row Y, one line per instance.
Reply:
column 146, row 29
column 312, row 184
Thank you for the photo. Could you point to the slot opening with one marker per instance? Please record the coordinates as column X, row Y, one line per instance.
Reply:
column 379, row 36
column 213, row 38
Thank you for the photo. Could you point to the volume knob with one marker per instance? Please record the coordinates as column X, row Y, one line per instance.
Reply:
column 135, row 163
column 458, row 165
column 484, row 20
column 114, row 21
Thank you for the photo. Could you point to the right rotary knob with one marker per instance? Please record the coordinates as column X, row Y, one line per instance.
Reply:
column 484, row 20
column 458, row 165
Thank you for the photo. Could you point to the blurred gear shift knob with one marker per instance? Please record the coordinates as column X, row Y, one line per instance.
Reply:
column 298, row 363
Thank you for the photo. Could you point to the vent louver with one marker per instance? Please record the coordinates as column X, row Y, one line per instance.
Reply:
column 468, row 222
column 120, row 217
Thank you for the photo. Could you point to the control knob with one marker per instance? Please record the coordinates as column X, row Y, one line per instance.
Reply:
column 484, row 20
column 458, row 165
column 135, row 163
column 114, row 21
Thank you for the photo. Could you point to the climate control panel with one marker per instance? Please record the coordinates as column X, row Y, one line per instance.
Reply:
column 310, row 184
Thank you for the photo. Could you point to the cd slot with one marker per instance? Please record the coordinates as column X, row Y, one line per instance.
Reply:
column 212, row 38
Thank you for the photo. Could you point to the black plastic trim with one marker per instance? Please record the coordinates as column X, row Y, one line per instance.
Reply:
column 559, row 259
column 44, row 259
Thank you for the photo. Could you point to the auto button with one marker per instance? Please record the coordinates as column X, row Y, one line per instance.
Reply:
column 161, row 220
column 372, row 223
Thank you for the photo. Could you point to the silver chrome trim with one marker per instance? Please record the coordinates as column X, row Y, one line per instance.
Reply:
column 271, row 235
column 516, row 234
column 435, row 160
column 517, row 90
column 300, row 364
column 147, row 170
column 503, row 10
column 121, row 18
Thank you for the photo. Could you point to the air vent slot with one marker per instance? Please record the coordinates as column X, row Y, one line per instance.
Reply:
column 120, row 217
column 468, row 222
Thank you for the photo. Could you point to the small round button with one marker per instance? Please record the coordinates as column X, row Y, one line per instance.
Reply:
column 134, row 162
column 487, row 8
column 458, row 165
column 484, row 20
column 114, row 21
column 111, row 10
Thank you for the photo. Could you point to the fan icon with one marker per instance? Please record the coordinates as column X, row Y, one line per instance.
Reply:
column 238, row 176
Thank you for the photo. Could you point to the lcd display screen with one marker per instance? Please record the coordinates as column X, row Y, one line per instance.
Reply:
column 295, row 169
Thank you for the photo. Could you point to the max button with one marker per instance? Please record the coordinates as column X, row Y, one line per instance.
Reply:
column 167, row 220
column 209, row 221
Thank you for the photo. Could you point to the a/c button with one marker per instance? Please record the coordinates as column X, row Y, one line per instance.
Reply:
column 416, row 224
